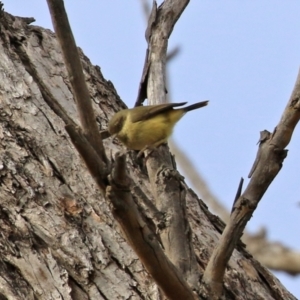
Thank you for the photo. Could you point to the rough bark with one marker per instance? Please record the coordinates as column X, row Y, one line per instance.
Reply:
column 58, row 238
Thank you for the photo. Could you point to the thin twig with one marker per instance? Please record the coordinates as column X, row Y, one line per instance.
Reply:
column 146, row 8
column 198, row 182
column 238, row 193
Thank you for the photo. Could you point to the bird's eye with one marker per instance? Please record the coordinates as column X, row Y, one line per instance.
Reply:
column 119, row 124
column 116, row 124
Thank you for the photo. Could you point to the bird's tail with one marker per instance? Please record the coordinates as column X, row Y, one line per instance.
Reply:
column 195, row 106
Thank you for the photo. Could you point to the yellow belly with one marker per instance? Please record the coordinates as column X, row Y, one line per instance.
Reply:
column 151, row 132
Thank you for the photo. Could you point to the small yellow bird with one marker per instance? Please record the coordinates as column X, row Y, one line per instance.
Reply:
column 147, row 127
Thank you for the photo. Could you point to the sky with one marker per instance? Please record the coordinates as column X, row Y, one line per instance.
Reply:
column 243, row 56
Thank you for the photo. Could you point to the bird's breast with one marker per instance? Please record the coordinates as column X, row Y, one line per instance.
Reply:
column 148, row 132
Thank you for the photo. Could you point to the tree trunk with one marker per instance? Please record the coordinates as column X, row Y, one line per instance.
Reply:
column 58, row 238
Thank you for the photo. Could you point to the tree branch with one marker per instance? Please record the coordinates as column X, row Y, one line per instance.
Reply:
column 96, row 166
column 137, row 233
column 141, row 238
column 89, row 155
column 274, row 255
column 271, row 154
column 166, row 183
column 74, row 68
column 160, row 26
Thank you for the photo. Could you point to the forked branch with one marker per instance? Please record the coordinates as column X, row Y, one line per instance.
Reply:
column 268, row 163
column 89, row 144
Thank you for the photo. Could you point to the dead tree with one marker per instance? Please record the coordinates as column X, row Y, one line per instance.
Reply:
column 101, row 224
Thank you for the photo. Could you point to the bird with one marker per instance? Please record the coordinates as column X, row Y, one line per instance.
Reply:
column 147, row 127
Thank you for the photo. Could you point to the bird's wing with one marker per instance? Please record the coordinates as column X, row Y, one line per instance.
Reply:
column 142, row 113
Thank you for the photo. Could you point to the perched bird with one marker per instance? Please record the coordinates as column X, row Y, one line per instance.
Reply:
column 147, row 127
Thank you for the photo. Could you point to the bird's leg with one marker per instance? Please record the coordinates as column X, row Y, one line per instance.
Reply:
column 144, row 149
column 150, row 148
